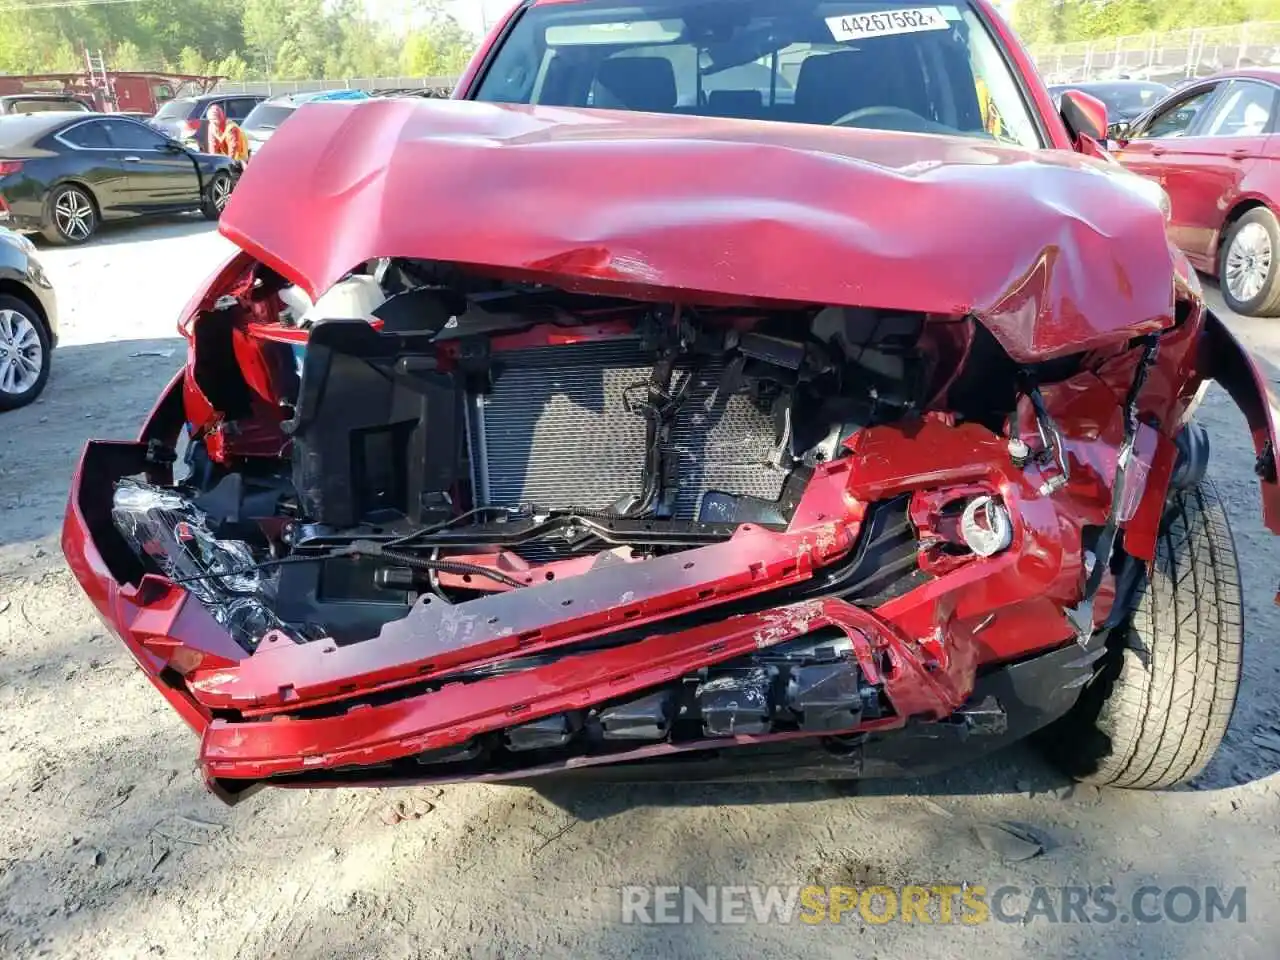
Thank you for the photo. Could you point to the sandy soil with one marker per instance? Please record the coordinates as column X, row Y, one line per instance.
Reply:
column 109, row 846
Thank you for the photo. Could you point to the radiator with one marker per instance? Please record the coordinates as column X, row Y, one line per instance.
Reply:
column 555, row 432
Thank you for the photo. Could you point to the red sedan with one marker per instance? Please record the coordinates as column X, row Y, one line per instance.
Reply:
column 772, row 387
column 1212, row 146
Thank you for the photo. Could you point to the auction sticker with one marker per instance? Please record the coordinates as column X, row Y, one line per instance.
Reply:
column 860, row 26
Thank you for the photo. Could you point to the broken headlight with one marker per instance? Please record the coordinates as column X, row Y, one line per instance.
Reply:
column 173, row 534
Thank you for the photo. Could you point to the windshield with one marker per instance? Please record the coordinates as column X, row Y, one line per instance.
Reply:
column 46, row 106
column 1130, row 99
column 267, row 116
column 853, row 63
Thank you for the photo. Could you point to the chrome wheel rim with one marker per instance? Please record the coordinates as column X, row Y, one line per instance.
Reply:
column 1248, row 262
column 21, row 354
column 221, row 190
column 74, row 215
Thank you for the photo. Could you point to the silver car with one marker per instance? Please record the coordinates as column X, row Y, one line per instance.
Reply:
column 28, row 322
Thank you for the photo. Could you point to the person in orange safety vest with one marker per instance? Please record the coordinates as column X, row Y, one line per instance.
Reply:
column 226, row 137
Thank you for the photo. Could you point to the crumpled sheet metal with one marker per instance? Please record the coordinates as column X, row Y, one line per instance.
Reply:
column 1052, row 251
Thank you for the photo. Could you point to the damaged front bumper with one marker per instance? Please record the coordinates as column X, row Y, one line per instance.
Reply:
column 846, row 645
column 696, row 629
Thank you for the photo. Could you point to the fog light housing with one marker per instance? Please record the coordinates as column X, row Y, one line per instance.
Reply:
column 986, row 527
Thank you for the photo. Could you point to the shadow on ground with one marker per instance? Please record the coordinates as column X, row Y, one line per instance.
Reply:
column 163, row 227
column 1017, row 770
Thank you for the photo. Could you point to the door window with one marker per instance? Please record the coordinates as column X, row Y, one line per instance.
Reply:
column 240, row 108
column 1177, row 118
column 91, row 135
column 1245, row 111
column 127, row 135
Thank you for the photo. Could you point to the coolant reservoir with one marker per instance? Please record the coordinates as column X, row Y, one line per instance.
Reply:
column 354, row 298
column 296, row 304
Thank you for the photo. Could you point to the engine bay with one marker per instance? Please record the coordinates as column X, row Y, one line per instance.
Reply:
column 423, row 431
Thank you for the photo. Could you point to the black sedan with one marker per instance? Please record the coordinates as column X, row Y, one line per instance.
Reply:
column 62, row 174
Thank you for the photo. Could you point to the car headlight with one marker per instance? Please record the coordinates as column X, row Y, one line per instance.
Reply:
column 17, row 240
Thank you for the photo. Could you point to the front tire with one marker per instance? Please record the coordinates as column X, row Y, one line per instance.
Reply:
column 1249, row 264
column 24, row 353
column 72, row 217
column 1157, row 710
column 216, row 195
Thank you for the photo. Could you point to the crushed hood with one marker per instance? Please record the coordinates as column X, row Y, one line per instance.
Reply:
column 1053, row 252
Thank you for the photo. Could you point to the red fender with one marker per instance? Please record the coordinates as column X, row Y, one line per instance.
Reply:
column 1224, row 358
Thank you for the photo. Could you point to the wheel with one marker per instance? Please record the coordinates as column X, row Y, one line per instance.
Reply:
column 216, row 195
column 72, row 216
column 24, row 353
column 1249, row 264
column 1154, row 714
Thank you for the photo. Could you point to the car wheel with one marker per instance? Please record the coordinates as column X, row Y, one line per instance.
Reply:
column 24, row 353
column 216, row 195
column 72, row 216
column 1157, row 709
column 1249, row 264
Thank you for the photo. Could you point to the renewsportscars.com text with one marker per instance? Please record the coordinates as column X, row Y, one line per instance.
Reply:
column 969, row 904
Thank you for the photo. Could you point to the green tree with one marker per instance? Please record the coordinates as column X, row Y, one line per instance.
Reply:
column 232, row 66
column 291, row 62
column 266, row 26
column 1032, row 19
column 20, row 37
column 128, row 56
column 364, row 50
column 440, row 49
column 1065, row 21
column 192, row 61
column 280, row 38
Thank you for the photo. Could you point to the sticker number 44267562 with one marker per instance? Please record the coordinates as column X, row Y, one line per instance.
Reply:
column 858, row 26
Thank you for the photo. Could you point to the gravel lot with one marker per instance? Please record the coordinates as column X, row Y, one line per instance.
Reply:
column 109, row 846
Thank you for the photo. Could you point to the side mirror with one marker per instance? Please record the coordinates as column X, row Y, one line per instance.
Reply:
column 172, row 146
column 1085, row 116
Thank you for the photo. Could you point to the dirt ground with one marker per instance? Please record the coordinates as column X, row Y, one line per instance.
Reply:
column 109, row 846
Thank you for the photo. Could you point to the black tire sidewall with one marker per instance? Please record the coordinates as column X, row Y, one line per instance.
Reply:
column 14, row 401
column 1161, row 699
column 208, row 208
column 53, row 232
column 1249, row 308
